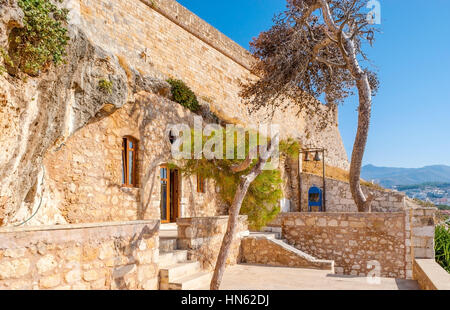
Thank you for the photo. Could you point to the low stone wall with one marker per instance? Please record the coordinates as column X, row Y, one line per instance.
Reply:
column 271, row 252
column 203, row 236
column 339, row 197
column 430, row 275
column 95, row 256
column 358, row 242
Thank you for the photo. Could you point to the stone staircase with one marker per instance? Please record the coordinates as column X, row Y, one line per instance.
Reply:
column 282, row 253
column 176, row 271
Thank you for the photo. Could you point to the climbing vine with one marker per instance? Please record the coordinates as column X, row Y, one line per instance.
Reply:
column 41, row 41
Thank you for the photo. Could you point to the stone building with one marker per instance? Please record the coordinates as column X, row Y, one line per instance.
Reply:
column 85, row 175
column 75, row 159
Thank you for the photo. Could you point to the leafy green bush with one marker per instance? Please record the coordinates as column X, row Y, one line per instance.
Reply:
column 182, row 94
column 442, row 246
column 43, row 38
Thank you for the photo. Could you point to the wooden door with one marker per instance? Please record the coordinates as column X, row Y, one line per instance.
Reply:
column 174, row 195
column 170, row 194
column 165, row 194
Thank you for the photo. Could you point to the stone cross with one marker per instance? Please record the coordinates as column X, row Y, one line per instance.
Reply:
column 145, row 54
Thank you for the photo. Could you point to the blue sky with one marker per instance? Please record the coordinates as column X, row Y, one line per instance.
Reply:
column 411, row 114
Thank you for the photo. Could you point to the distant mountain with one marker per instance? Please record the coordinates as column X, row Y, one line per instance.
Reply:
column 389, row 177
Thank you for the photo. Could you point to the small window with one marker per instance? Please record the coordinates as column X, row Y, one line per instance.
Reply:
column 129, row 159
column 201, row 184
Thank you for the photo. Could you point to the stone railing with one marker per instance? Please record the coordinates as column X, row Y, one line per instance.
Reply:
column 90, row 256
column 202, row 237
column 430, row 275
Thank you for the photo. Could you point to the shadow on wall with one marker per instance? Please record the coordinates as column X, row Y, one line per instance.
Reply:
column 129, row 249
column 145, row 113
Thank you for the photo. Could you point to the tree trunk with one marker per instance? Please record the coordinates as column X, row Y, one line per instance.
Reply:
column 231, row 230
column 364, row 112
column 235, row 209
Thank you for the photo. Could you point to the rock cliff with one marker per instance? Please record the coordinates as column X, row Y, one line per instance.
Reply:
column 37, row 114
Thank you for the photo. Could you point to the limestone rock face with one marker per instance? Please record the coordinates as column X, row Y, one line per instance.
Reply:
column 38, row 114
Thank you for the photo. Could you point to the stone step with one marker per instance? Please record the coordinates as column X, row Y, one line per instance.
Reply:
column 275, row 230
column 267, row 235
column 197, row 281
column 179, row 270
column 167, row 244
column 171, row 258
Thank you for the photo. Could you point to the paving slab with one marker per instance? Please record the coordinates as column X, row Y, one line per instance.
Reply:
column 257, row 277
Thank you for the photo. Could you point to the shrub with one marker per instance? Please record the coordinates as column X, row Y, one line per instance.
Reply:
column 182, row 94
column 105, row 86
column 43, row 38
column 442, row 246
column 4, row 55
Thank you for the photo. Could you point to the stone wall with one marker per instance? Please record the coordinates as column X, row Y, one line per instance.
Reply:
column 202, row 237
column 339, row 197
column 353, row 240
column 96, row 256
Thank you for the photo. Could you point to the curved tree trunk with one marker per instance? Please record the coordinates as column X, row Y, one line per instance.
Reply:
column 234, row 211
column 364, row 109
column 231, row 230
column 364, row 113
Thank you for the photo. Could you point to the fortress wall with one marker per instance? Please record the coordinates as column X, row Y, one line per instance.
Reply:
column 196, row 53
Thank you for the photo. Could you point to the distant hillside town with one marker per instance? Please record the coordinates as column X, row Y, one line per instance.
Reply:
column 429, row 184
column 436, row 193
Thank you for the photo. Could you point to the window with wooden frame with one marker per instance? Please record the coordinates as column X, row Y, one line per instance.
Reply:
column 129, row 162
column 201, row 184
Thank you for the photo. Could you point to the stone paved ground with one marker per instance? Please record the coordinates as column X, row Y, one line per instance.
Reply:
column 253, row 277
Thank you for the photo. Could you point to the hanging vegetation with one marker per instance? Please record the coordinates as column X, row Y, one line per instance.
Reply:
column 41, row 41
column 182, row 94
column 261, row 204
